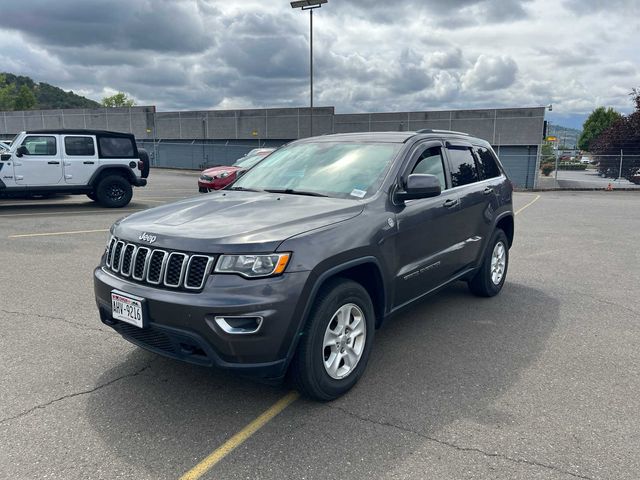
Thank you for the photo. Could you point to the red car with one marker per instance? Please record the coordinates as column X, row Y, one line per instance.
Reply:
column 219, row 177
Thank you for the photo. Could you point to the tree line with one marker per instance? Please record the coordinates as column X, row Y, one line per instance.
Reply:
column 614, row 139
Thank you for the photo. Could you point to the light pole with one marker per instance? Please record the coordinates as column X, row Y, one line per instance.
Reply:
column 310, row 5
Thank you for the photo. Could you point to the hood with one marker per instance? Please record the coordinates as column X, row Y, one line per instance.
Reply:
column 234, row 221
column 222, row 168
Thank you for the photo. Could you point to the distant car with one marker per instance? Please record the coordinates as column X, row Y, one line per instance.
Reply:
column 635, row 178
column 219, row 177
column 585, row 159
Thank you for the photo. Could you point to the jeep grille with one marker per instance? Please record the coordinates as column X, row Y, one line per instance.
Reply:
column 158, row 267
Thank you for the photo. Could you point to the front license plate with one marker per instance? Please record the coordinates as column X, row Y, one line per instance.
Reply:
column 127, row 309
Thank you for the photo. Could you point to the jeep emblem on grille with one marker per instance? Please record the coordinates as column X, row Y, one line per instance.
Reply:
column 146, row 237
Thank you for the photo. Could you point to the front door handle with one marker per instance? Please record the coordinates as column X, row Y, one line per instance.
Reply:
column 53, row 162
column 450, row 203
column 488, row 190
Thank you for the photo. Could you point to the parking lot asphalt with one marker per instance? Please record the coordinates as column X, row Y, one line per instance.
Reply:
column 584, row 179
column 542, row 381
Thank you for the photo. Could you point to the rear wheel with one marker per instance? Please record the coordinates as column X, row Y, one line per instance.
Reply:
column 336, row 342
column 490, row 278
column 114, row 191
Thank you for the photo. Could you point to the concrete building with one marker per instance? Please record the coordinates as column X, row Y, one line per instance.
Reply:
column 196, row 139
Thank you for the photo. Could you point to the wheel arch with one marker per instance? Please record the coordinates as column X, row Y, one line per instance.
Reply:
column 506, row 224
column 367, row 272
column 105, row 170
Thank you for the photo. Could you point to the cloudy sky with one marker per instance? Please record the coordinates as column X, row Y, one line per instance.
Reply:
column 370, row 55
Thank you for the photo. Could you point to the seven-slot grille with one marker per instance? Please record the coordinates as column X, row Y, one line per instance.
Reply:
column 158, row 267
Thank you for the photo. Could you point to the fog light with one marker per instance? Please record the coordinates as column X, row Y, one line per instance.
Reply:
column 239, row 325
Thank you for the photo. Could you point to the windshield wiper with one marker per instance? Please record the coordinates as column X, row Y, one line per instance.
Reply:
column 296, row 192
column 243, row 189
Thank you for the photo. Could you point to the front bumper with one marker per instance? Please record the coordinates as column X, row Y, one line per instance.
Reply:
column 181, row 325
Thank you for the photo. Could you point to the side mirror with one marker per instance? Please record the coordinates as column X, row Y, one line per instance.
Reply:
column 22, row 150
column 419, row 185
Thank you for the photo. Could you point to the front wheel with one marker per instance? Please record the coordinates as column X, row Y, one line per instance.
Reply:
column 114, row 191
column 490, row 278
column 336, row 342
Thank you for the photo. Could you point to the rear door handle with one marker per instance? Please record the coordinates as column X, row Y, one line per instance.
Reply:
column 53, row 162
column 450, row 203
column 89, row 163
column 488, row 190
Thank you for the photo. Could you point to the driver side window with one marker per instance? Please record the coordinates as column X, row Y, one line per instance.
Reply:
column 431, row 162
column 40, row 145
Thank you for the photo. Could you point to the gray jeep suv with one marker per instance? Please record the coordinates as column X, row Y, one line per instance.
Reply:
column 293, row 267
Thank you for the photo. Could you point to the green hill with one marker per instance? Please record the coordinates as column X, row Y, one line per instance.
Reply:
column 22, row 93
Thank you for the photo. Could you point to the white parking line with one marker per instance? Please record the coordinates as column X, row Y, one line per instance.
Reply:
column 73, row 212
column 47, row 234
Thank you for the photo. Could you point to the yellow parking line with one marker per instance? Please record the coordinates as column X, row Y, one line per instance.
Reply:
column 239, row 438
column 47, row 234
column 527, row 205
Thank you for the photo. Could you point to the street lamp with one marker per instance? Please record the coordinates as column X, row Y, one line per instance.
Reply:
column 310, row 5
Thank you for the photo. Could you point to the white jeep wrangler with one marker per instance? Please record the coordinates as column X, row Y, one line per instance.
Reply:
column 103, row 165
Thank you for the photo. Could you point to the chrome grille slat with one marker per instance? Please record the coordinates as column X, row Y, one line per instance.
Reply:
column 172, row 266
column 158, row 267
column 112, row 244
column 127, row 259
column 190, row 281
column 153, row 266
column 117, row 256
column 142, row 255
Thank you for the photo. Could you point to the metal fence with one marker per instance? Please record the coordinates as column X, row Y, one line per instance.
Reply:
column 198, row 155
column 593, row 172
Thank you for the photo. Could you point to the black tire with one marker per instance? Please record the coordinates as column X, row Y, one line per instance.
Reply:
column 92, row 196
column 114, row 191
column 307, row 370
column 482, row 283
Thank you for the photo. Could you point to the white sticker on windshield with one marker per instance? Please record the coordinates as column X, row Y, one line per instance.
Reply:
column 358, row 193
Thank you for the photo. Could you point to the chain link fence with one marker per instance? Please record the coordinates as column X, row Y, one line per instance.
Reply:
column 590, row 172
column 198, row 155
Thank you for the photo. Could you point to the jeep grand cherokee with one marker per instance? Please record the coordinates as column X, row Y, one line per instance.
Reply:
column 294, row 266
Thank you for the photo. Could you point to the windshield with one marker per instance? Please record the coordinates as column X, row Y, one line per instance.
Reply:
column 248, row 161
column 335, row 169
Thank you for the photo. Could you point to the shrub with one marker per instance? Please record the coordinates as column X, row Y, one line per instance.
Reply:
column 547, row 168
column 572, row 166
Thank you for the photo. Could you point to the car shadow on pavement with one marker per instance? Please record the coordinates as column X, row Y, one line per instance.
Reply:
column 446, row 360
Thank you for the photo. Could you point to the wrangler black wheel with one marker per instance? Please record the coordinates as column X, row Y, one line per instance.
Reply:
column 114, row 191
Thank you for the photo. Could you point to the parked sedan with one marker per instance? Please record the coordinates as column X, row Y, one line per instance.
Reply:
column 219, row 177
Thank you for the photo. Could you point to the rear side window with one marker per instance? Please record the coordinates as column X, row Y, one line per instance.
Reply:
column 430, row 162
column 40, row 145
column 487, row 163
column 463, row 166
column 116, row 147
column 79, row 146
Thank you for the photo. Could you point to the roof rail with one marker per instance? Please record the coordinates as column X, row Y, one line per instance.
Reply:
column 429, row 130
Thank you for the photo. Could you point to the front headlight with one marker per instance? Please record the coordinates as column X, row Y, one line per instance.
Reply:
column 253, row 266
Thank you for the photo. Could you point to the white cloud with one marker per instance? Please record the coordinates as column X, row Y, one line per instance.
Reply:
column 490, row 73
column 370, row 55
